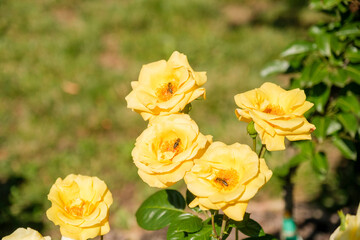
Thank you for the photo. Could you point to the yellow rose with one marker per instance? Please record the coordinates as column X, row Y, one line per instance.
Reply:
column 276, row 113
column 352, row 228
column 80, row 205
column 164, row 151
column 165, row 87
column 226, row 177
column 25, row 234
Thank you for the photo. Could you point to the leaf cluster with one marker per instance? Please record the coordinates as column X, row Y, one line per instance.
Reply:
column 166, row 208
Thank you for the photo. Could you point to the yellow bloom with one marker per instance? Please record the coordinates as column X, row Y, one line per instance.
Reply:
column 80, row 205
column 352, row 228
column 276, row 113
column 226, row 177
column 25, row 234
column 164, row 151
column 165, row 87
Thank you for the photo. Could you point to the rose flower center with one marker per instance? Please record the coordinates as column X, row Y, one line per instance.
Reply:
column 226, row 179
column 166, row 91
column 79, row 208
column 169, row 149
column 274, row 109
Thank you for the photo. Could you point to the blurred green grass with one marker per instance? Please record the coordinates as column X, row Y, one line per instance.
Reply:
column 66, row 67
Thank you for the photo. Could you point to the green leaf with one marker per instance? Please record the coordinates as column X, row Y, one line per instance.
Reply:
column 275, row 67
column 248, row 226
column 347, row 148
column 313, row 73
column 320, row 163
column 324, row 4
column 160, row 209
column 349, row 103
column 349, row 30
column 353, row 54
column 321, row 124
column 333, row 127
column 187, row 222
column 354, row 72
column 206, row 232
column 349, row 122
column 328, row 4
column 338, row 77
column 337, row 46
column 298, row 48
column 319, row 95
column 172, row 234
column 182, row 225
column 323, row 44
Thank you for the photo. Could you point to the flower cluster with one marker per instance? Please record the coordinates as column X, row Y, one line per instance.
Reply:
column 220, row 176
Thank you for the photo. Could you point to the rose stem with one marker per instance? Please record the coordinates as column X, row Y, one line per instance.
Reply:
column 262, row 151
column 223, row 226
column 254, row 144
column 236, row 234
column 213, row 223
column 101, row 237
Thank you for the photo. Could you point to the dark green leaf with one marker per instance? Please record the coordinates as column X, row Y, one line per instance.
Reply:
column 336, row 46
column 321, row 124
column 266, row 237
column 349, row 122
column 338, row 77
column 319, row 95
column 206, row 232
column 320, row 163
column 275, row 67
column 347, row 148
column 313, row 73
column 354, row 72
column 298, row 48
column 349, row 103
column 189, row 198
column 248, row 226
column 160, row 209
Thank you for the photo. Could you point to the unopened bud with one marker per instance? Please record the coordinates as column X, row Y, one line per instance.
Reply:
column 251, row 130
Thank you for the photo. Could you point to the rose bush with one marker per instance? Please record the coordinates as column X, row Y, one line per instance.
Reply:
column 350, row 229
column 276, row 113
column 164, row 151
column 25, row 234
column 226, row 177
column 80, row 205
column 165, row 87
